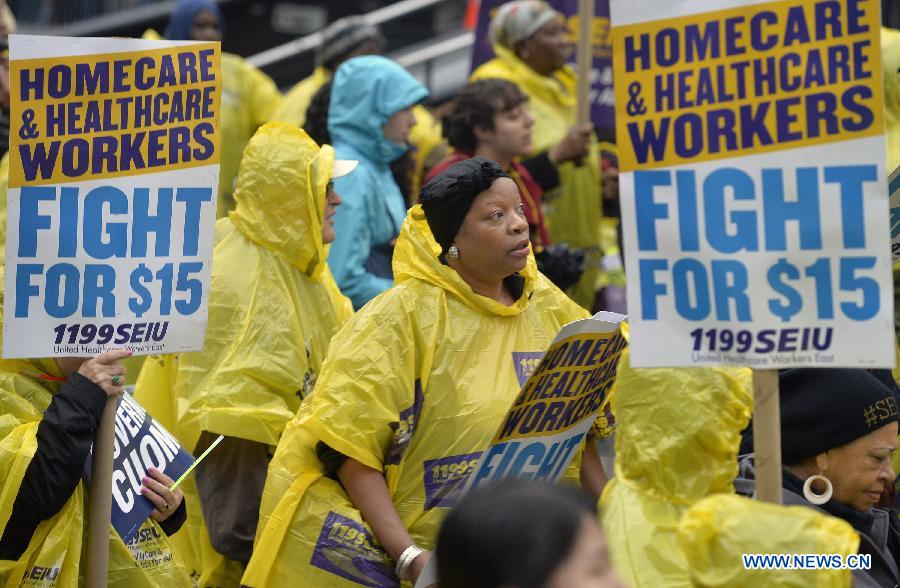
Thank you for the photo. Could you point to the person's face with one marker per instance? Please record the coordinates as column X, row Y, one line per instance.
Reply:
column 548, row 49
column 493, row 240
column 332, row 201
column 206, row 27
column 511, row 134
column 397, row 127
column 587, row 565
column 860, row 469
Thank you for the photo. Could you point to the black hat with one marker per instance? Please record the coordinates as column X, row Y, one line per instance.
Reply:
column 822, row 409
column 447, row 198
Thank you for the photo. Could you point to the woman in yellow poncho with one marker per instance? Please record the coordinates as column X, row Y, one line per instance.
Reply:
column 274, row 307
column 529, row 40
column 50, row 412
column 412, row 391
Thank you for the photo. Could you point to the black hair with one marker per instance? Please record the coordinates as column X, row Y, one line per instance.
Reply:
column 511, row 533
column 476, row 106
column 316, row 125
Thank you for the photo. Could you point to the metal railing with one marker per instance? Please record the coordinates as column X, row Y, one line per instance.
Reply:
column 310, row 42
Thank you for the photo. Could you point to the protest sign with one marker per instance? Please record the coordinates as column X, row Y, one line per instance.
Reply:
column 553, row 411
column 894, row 190
column 140, row 443
column 114, row 152
column 557, row 405
column 751, row 152
column 602, row 98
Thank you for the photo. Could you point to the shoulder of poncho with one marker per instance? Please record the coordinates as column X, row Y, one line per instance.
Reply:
column 547, row 298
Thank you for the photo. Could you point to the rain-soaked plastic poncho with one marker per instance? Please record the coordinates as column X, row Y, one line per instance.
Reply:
column 57, row 549
column 715, row 533
column 273, row 310
column 415, row 386
column 574, row 210
column 676, row 443
column 890, row 61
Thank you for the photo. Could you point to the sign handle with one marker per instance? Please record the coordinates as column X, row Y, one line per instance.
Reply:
column 585, row 59
column 100, row 506
column 767, row 435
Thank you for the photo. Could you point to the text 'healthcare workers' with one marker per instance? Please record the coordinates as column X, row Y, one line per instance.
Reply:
column 113, row 176
column 754, row 184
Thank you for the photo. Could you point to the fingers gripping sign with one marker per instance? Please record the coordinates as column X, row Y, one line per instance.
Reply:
column 156, row 489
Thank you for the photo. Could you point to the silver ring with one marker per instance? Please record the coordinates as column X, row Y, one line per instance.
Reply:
column 116, row 380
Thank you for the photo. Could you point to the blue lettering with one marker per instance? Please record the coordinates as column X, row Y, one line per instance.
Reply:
column 805, row 210
column 29, row 219
column 94, row 244
column 646, row 210
column 650, row 288
column 684, row 272
column 714, row 211
column 851, row 178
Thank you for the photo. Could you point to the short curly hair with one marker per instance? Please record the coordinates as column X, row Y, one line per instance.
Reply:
column 476, row 106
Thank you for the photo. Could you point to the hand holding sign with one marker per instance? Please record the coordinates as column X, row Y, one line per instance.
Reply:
column 156, row 489
column 106, row 371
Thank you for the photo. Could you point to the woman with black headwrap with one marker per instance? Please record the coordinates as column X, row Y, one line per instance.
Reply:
column 413, row 389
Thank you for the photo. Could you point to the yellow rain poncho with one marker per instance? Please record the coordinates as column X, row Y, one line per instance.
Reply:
column 293, row 107
column 415, row 386
column 574, row 210
column 677, row 439
column 55, row 556
column 249, row 99
column 273, row 310
column 715, row 532
column 890, row 61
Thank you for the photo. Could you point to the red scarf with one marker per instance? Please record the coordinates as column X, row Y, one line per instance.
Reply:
column 529, row 189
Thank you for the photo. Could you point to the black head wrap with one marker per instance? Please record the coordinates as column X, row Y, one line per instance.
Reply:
column 447, row 198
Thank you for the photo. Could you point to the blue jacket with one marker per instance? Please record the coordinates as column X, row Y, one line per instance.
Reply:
column 365, row 93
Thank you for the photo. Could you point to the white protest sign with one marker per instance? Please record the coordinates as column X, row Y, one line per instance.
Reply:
column 754, row 208
column 112, row 195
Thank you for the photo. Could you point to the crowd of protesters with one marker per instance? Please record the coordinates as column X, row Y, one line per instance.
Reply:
column 373, row 270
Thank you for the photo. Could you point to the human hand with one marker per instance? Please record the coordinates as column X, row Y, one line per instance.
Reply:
column 106, row 371
column 573, row 146
column 156, row 490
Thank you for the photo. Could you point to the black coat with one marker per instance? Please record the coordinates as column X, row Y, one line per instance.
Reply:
column 64, row 438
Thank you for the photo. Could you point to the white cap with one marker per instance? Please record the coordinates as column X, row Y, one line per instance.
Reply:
column 342, row 167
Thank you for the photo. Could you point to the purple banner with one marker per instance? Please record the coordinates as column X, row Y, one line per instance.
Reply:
column 346, row 548
column 445, row 478
column 602, row 98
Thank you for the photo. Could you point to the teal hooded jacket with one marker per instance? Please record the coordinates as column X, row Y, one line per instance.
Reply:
column 365, row 93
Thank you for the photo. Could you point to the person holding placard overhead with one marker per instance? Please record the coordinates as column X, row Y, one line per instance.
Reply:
column 51, row 410
column 838, row 433
column 414, row 388
column 531, row 47
column 273, row 309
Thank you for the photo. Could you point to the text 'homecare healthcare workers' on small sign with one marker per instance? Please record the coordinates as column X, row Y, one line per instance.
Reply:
column 114, row 153
column 754, row 189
